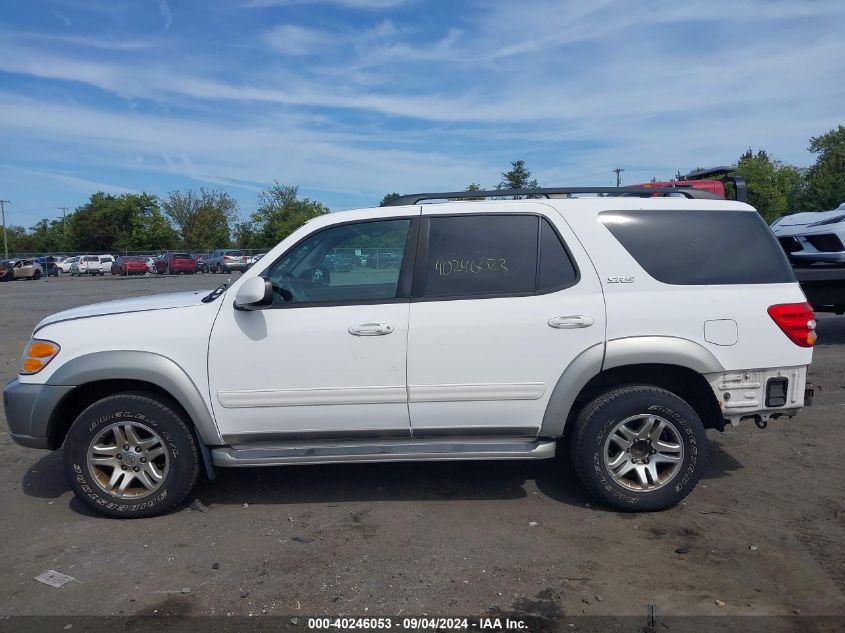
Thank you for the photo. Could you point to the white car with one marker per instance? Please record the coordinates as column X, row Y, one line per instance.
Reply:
column 87, row 265
column 255, row 258
column 813, row 236
column 615, row 328
column 65, row 265
column 106, row 262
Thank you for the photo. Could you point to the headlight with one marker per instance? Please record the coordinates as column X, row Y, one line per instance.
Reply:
column 37, row 355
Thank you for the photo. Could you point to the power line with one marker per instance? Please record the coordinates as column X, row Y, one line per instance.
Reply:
column 618, row 171
column 3, row 211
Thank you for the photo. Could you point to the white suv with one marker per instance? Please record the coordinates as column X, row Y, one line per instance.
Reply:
column 617, row 328
column 87, row 265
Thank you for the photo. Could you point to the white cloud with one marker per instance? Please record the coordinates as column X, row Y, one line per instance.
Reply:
column 370, row 5
column 164, row 8
column 297, row 40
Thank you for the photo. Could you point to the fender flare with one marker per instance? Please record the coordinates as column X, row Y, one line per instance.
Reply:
column 635, row 350
column 147, row 367
column 660, row 350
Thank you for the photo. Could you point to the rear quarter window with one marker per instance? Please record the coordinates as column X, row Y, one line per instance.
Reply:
column 701, row 247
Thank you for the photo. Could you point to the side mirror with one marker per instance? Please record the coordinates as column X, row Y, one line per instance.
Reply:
column 254, row 294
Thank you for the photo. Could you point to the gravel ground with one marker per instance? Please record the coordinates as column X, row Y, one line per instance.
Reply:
column 764, row 532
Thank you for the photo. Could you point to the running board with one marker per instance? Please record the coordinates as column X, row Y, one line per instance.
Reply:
column 380, row 451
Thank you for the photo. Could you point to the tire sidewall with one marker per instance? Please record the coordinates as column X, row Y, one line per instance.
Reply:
column 182, row 455
column 652, row 402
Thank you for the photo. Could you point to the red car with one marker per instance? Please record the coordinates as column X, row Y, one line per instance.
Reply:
column 172, row 263
column 128, row 265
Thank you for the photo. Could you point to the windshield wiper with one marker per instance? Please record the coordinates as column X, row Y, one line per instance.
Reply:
column 211, row 296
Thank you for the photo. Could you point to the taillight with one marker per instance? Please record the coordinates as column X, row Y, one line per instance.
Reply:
column 797, row 322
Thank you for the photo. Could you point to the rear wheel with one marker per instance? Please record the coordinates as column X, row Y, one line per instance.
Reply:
column 131, row 455
column 36, row 275
column 639, row 448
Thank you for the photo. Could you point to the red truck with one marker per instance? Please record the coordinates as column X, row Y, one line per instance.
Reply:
column 712, row 180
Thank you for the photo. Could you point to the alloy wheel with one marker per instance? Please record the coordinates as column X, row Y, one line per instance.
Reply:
column 128, row 460
column 643, row 452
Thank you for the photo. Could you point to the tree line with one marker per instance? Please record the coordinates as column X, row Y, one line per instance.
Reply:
column 194, row 220
column 202, row 220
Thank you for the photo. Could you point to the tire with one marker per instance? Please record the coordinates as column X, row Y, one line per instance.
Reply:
column 675, row 452
column 36, row 275
column 159, row 432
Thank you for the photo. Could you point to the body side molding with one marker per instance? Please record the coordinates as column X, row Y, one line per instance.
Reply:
column 148, row 367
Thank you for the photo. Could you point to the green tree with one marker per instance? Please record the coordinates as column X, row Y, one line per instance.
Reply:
column 150, row 231
column 387, row 198
column 18, row 240
column 106, row 222
column 203, row 218
column 244, row 236
column 826, row 177
column 519, row 177
column 280, row 212
column 774, row 187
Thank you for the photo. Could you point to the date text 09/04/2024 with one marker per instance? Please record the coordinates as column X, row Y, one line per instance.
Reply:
column 410, row 623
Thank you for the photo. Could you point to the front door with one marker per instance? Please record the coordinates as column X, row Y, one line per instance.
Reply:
column 328, row 359
column 500, row 309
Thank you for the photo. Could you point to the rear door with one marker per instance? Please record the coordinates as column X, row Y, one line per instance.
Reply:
column 504, row 299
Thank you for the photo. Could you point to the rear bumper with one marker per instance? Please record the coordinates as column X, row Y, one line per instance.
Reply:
column 29, row 409
column 747, row 393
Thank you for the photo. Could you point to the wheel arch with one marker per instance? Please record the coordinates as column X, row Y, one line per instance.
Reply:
column 100, row 374
column 674, row 364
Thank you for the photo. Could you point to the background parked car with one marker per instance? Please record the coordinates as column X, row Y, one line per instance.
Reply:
column 255, row 258
column 11, row 269
column 384, row 259
column 87, row 265
column 48, row 265
column 339, row 262
column 227, row 260
column 200, row 260
column 65, row 264
column 173, row 263
column 129, row 265
column 106, row 262
column 813, row 236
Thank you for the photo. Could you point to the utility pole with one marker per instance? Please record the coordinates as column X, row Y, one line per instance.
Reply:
column 64, row 224
column 5, row 243
column 618, row 171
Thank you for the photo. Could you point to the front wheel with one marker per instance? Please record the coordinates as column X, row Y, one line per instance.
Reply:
column 130, row 456
column 639, row 448
column 36, row 275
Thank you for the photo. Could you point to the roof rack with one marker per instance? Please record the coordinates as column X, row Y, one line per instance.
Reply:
column 548, row 192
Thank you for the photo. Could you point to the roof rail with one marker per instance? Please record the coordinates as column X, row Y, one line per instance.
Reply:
column 548, row 192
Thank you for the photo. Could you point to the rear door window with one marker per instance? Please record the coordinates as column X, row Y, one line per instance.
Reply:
column 701, row 247
column 481, row 255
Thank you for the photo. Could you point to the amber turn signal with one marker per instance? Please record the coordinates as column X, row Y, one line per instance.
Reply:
column 37, row 355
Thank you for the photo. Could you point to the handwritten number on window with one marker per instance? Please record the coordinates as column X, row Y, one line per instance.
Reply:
column 446, row 267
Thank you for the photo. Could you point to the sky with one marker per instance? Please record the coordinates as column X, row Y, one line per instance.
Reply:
column 352, row 99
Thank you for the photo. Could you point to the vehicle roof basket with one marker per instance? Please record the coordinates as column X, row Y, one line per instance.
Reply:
column 553, row 192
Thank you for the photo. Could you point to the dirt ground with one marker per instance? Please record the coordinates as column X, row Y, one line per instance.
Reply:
column 764, row 532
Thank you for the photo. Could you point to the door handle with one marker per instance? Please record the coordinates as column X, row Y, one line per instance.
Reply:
column 371, row 329
column 571, row 322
